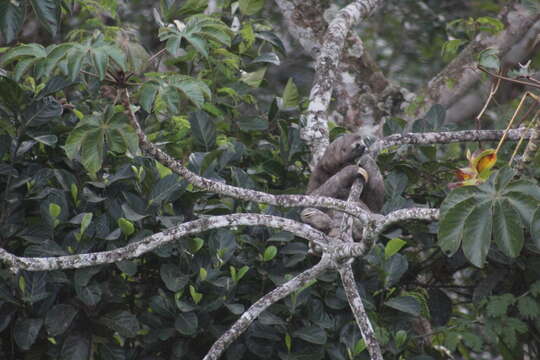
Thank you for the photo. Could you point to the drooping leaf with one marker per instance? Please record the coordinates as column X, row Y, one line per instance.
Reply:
column 203, row 129
column 407, row 304
column 11, row 19
column 48, row 13
column 75, row 347
column 26, row 331
column 123, row 322
column 290, row 97
column 186, row 323
column 507, row 228
column 59, row 319
column 477, row 230
column 311, row 334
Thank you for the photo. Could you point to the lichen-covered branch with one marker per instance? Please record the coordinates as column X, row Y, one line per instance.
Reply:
column 153, row 241
column 402, row 215
column 263, row 303
column 359, row 311
column 315, row 127
column 349, row 283
column 236, row 192
column 360, row 88
column 446, row 137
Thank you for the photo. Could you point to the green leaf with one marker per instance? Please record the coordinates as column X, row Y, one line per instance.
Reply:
column 25, row 50
column 54, row 210
column 507, row 228
column 477, row 231
column 243, row 270
column 407, row 304
column 400, row 338
column 92, row 150
column 535, row 228
column 123, row 322
column 203, row 274
column 11, row 18
column 100, row 60
column 490, row 24
column 528, row 307
column 451, row 225
column 164, row 188
column 75, row 347
column 393, row 246
column 311, row 334
column 255, row 78
column 59, row 318
column 291, row 98
column 252, row 124
column 86, row 220
column 498, row 304
column 187, row 323
column 203, row 129
column 195, row 244
column 489, row 58
column 394, row 269
column 268, row 58
column 272, row 39
column 90, row 295
column 48, row 13
column 196, row 296
column 451, row 47
column 126, row 226
column 195, row 90
column 269, row 253
column 147, row 95
column 250, row 7
column 12, row 95
column 26, row 331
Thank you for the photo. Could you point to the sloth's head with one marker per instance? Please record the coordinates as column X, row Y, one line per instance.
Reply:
column 352, row 148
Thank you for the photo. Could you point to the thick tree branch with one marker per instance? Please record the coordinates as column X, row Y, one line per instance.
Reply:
column 236, row 192
column 349, row 283
column 360, row 86
column 402, row 215
column 359, row 311
column 446, row 137
column 263, row 303
column 152, row 242
column 315, row 127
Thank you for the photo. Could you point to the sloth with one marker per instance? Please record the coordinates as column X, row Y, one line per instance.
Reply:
column 334, row 175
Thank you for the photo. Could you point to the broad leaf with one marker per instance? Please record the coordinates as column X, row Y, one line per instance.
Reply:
column 203, row 128
column 407, row 304
column 11, row 18
column 48, row 13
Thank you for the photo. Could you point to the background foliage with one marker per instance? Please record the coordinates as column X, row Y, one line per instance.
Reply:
column 225, row 97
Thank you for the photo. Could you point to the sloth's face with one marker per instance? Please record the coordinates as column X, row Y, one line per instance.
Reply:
column 354, row 151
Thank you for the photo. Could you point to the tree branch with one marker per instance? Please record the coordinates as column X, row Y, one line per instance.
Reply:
column 263, row 303
column 153, row 241
column 236, row 192
column 446, row 137
column 315, row 127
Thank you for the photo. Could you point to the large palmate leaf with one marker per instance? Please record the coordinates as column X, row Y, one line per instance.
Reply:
column 499, row 209
column 200, row 31
column 98, row 133
column 95, row 54
column 172, row 89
